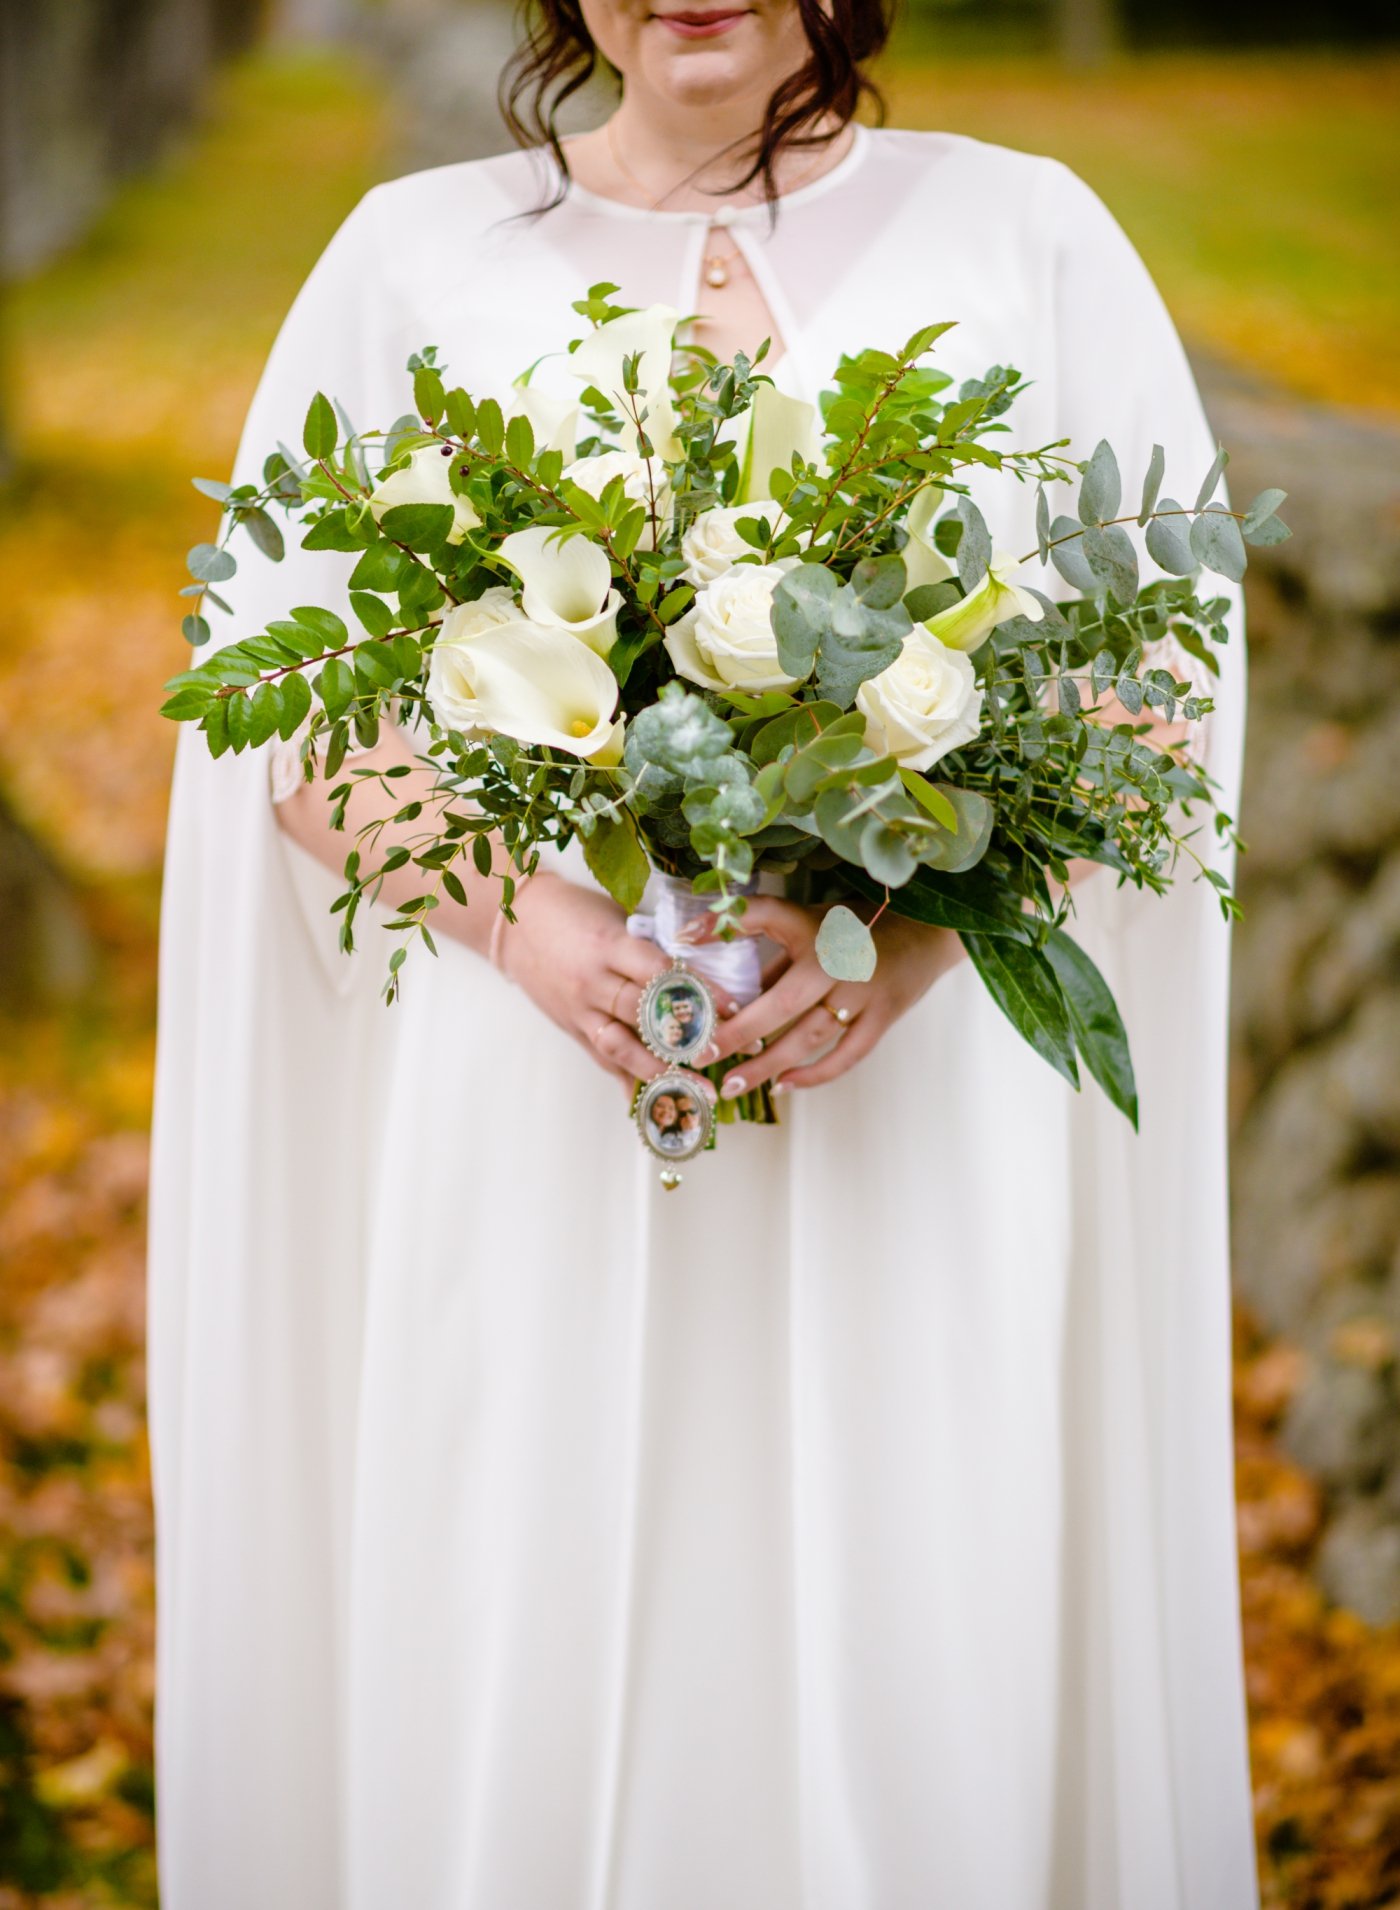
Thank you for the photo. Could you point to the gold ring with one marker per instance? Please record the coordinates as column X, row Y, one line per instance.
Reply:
column 843, row 1015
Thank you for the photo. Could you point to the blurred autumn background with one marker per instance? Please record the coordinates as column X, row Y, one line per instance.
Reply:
column 150, row 240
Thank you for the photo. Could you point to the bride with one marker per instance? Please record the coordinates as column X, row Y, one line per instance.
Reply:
column 853, row 1529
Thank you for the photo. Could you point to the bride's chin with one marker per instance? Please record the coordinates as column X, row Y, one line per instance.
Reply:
column 702, row 77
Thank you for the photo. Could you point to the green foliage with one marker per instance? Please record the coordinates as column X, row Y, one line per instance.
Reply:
column 715, row 784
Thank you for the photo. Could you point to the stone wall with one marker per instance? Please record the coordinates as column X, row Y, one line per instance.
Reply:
column 1316, row 1084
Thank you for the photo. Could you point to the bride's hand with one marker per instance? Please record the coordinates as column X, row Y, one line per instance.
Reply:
column 570, row 951
column 804, row 1009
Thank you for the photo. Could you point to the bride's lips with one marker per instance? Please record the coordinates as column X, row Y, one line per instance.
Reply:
column 696, row 23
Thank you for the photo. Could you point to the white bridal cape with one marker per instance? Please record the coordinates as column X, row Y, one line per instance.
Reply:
column 850, row 1530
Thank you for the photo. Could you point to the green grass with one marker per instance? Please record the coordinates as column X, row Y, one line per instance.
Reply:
column 1259, row 189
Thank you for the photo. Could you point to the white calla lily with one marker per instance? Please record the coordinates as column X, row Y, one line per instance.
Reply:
column 567, row 583
column 451, row 685
column 775, row 427
column 542, row 686
column 967, row 624
column 924, row 563
column 598, row 361
column 424, row 480
column 554, row 421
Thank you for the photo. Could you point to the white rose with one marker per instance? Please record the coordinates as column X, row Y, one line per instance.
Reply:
column 926, row 703
column 424, row 480
column 451, row 681
column 712, row 545
column 638, row 483
column 725, row 640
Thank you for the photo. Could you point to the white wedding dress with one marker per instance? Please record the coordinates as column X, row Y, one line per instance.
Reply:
column 850, row 1530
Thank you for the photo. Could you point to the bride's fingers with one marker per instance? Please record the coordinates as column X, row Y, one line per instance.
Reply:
column 615, row 1046
column 615, row 995
column 799, row 1045
column 856, row 1043
column 635, row 957
column 801, row 988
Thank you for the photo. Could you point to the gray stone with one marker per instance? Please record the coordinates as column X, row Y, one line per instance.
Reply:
column 1359, row 1561
column 1341, row 1425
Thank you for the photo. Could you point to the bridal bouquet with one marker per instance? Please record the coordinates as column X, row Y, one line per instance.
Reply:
column 709, row 631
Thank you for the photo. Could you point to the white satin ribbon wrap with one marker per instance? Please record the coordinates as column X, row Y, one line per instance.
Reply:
column 734, row 970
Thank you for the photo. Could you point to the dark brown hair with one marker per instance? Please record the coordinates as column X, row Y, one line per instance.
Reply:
column 555, row 58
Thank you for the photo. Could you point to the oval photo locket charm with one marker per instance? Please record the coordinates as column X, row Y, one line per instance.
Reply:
column 676, row 1016
column 674, row 1119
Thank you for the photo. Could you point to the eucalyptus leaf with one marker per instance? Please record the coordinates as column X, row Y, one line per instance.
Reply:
column 974, row 546
column 1152, row 483
column 1212, row 478
column 1112, row 558
column 1262, row 509
column 1067, row 555
column 801, row 614
column 960, row 849
column 1168, row 541
column 265, row 533
column 210, row 564
column 845, row 946
column 885, row 853
column 1216, row 541
column 1101, row 489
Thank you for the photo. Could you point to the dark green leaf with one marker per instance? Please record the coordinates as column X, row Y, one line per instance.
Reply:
column 321, row 431
column 1025, row 987
column 1097, row 1026
column 296, row 704
column 419, row 526
column 617, row 860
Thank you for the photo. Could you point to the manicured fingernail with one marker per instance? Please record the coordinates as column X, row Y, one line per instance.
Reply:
column 754, row 1047
column 780, row 1087
column 735, row 1085
column 690, row 931
column 730, row 1008
column 710, row 1052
